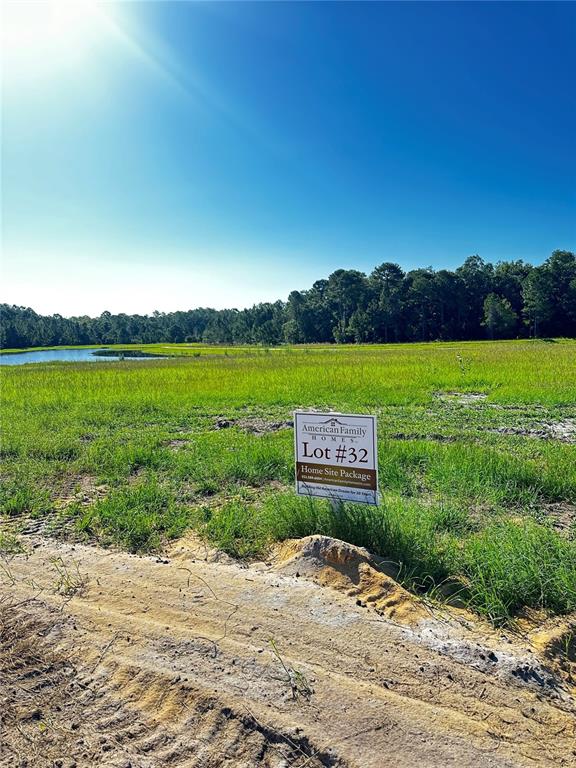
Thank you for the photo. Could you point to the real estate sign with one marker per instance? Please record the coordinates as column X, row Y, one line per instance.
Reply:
column 336, row 456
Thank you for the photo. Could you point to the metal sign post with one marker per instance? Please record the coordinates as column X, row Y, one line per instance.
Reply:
column 336, row 457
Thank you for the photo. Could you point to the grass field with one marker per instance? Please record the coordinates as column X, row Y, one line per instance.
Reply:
column 476, row 455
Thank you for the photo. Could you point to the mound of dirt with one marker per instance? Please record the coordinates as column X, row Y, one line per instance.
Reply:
column 352, row 570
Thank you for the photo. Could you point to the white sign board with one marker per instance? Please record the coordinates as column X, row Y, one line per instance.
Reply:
column 336, row 456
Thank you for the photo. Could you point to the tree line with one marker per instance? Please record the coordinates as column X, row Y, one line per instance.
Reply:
column 511, row 299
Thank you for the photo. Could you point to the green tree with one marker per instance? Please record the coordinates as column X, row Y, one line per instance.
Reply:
column 499, row 317
column 562, row 268
column 419, row 307
column 478, row 280
column 387, row 280
column 509, row 280
column 537, row 292
column 346, row 290
column 359, row 326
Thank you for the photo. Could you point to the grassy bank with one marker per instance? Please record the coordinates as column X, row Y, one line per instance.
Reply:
column 477, row 467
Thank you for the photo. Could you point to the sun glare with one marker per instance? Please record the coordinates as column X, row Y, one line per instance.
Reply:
column 40, row 35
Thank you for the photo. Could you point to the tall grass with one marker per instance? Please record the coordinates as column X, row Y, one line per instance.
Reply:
column 138, row 517
column 217, row 458
column 474, row 472
column 510, row 565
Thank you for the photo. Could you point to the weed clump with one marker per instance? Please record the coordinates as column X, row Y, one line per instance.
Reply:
column 136, row 518
column 236, row 530
column 511, row 564
column 22, row 495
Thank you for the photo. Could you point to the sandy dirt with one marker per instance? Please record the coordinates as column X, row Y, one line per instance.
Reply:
column 316, row 658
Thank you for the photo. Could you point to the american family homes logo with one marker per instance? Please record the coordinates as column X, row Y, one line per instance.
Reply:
column 333, row 427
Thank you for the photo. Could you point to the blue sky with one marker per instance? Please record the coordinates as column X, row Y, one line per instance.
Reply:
column 166, row 155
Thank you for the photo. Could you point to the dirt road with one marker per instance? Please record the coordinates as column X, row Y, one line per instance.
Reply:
column 313, row 659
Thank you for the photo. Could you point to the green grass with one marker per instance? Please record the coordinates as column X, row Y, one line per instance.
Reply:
column 468, row 487
column 137, row 518
column 509, row 565
column 23, row 491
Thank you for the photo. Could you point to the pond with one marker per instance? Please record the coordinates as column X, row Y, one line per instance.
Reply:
column 72, row 356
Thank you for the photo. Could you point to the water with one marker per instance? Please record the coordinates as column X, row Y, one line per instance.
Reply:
column 68, row 356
